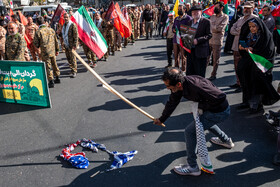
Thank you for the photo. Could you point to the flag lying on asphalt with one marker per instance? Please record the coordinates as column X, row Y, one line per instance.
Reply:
column 89, row 33
column 79, row 160
column 262, row 63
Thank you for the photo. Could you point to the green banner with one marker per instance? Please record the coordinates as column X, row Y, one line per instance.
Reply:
column 24, row 83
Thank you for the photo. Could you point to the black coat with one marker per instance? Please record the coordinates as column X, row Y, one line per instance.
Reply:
column 254, row 81
column 203, row 35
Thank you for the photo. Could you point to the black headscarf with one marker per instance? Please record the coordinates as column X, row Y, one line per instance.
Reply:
column 264, row 45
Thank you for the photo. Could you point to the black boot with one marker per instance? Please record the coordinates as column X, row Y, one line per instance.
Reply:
column 51, row 84
column 57, row 80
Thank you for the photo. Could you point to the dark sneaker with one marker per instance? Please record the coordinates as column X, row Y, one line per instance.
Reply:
column 229, row 144
column 187, row 170
column 51, row 84
column 212, row 78
column 276, row 159
column 238, row 90
column 57, row 80
column 235, row 86
column 74, row 75
column 243, row 106
column 255, row 110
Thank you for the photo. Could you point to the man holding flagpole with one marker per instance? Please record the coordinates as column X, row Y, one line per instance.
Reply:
column 213, row 108
column 70, row 38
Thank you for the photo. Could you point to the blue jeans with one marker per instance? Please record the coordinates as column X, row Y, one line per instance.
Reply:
column 209, row 121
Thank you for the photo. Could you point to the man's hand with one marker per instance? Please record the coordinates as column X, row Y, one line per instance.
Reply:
column 195, row 42
column 157, row 122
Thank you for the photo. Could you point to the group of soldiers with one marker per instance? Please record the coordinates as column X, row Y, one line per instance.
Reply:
column 41, row 41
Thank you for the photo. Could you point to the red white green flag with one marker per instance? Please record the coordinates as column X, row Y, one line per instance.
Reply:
column 89, row 33
column 179, row 40
column 262, row 63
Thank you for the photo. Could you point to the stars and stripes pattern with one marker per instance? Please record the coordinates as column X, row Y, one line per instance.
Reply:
column 79, row 160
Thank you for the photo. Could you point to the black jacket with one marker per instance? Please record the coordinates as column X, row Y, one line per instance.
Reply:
column 148, row 15
column 164, row 17
column 203, row 35
column 198, row 89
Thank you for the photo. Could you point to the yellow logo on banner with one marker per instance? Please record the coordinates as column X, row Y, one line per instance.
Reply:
column 38, row 84
column 11, row 94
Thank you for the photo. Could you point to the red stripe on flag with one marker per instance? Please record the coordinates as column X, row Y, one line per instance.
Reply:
column 87, row 40
column 22, row 18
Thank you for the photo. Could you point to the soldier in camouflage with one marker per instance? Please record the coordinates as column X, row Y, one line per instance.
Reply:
column 2, row 42
column 30, row 30
column 131, row 17
column 45, row 39
column 136, row 22
column 104, row 29
column 89, row 54
column 70, row 38
column 15, row 44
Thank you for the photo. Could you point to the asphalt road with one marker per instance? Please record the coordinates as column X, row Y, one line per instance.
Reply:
column 32, row 138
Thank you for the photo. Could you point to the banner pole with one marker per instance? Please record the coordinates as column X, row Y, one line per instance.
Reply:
column 112, row 90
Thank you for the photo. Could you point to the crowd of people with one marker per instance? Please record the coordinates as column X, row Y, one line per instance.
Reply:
column 246, row 33
column 43, row 36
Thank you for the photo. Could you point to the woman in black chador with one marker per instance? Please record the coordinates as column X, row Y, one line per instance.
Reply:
column 256, row 85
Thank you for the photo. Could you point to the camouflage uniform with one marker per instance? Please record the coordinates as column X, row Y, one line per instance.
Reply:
column 21, row 30
column 45, row 39
column 118, row 40
column 2, row 42
column 108, row 34
column 58, row 31
column 137, row 24
column 131, row 38
column 30, row 33
column 15, row 47
column 88, row 52
column 110, row 38
column 73, row 42
column 156, row 12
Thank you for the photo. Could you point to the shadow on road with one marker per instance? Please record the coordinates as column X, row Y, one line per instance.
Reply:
column 136, row 72
column 120, row 105
column 10, row 108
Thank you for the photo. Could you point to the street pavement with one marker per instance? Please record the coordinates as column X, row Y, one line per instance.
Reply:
column 33, row 137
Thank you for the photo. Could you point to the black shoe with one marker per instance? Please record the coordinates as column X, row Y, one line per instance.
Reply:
column 234, row 86
column 255, row 110
column 57, row 80
column 212, row 78
column 243, row 106
column 238, row 90
column 276, row 159
column 51, row 84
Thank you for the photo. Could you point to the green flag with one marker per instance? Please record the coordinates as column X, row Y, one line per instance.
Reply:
column 262, row 63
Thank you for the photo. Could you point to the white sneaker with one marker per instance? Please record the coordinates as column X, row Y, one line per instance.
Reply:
column 187, row 170
column 229, row 144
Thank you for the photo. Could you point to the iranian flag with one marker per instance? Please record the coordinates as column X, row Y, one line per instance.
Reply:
column 262, row 63
column 179, row 40
column 89, row 33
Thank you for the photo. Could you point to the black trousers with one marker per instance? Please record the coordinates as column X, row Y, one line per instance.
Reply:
column 195, row 65
column 169, row 46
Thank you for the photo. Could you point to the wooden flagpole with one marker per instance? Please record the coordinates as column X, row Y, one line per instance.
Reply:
column 108, row 87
